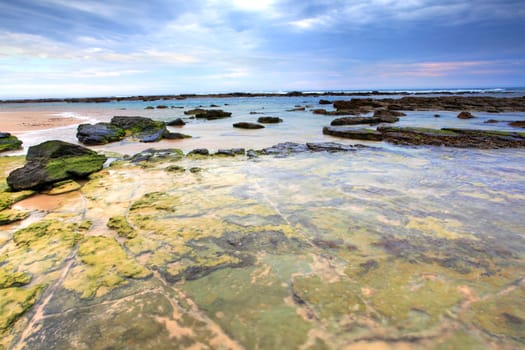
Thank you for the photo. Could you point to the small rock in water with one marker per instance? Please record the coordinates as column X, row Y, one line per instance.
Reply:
column 269, row 120
column 199, row 151
column 246, row 125
column 176, row 122
column 465, row 115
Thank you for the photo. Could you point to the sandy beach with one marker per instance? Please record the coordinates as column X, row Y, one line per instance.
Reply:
column 17, row 122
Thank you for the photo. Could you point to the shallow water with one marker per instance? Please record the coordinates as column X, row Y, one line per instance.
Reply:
column 298, row 126
column 388, row 248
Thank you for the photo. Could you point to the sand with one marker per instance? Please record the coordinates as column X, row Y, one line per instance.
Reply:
column 22, row 121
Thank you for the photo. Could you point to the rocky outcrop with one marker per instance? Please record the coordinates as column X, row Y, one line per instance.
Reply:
column 287, row 148
column 351, row 133
column 269, row 120
column 246, row 125
column 54, row 161
column 9, row 142
column 451, row 137
column 386, row 113
column 231, row 152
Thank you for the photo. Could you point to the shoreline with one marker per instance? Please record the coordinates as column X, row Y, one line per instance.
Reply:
column 19, row 122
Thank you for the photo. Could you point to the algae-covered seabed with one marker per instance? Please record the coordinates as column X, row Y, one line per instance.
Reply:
column 391, row 249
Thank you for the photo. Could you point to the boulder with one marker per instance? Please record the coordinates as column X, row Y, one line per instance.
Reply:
column 269, row 120
column 210, row 114
column 54, row 161
column 176, row 122
column 9, row 142
column 465, row 115
column 246, row 125
column 351, row 133
column 99, row 134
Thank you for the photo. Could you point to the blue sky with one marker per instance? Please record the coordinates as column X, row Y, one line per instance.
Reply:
column 61, row 48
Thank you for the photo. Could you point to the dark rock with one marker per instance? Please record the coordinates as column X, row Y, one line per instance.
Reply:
column 246, row 125
column 9, row 142
column 491, row 121
column 328, row 147
column 356, row 134
column 214, row 106
column 176, row 122
column 99, row 134
column 325, row 102
column 256, row 113
column 54, row 161
column 152, row 154
column 437, row 116
column 465, row 115
column 518, row 124
column 364, row 120
column 296, row 109
column 212, row 114
column 175, row 136
column 149, row 107
column 252, row 153
column 231, row 152
column 386, row 113
column 162, row 107
column 195, row 170
column 269, row 120
column 151, row 135
column 194, row 111
column 199, row 151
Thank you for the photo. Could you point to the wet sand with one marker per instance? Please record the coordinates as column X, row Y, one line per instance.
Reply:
column 22, row 121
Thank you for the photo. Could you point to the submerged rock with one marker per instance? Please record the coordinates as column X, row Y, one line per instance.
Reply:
column 269, row 120
column 54, row 161
column 176, row 136
column 199, row 152
column 246, row 125
column 231, row 152
column 9, row 142
column 518, row 124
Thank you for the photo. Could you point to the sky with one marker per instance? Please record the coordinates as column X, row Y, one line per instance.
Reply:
column 73, row 48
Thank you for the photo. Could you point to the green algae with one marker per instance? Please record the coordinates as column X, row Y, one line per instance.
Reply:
column 250, row 310
column 103, row 266
column 175, row 169
column 412, row 297
column 15, row 301
column 79, row 166
column 9, row 216
column 501, row 315
column 65, row 186
column 40, row 232
column 7, row 199
column 10, row 143
column 121, row 225
column 11, row 278
column 334, row 299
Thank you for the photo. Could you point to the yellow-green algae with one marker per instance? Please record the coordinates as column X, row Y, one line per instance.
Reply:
column 8, row 216
column 64, row 187
column 14, row 302
column 103, row 266
column 121, row 225
column 502, row 314
column 11, row 278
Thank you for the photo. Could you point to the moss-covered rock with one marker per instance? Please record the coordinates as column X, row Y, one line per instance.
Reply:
column 9, row 142
column 65, row 186
column 54, row 161
column 11, row 278
column 9, row 216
